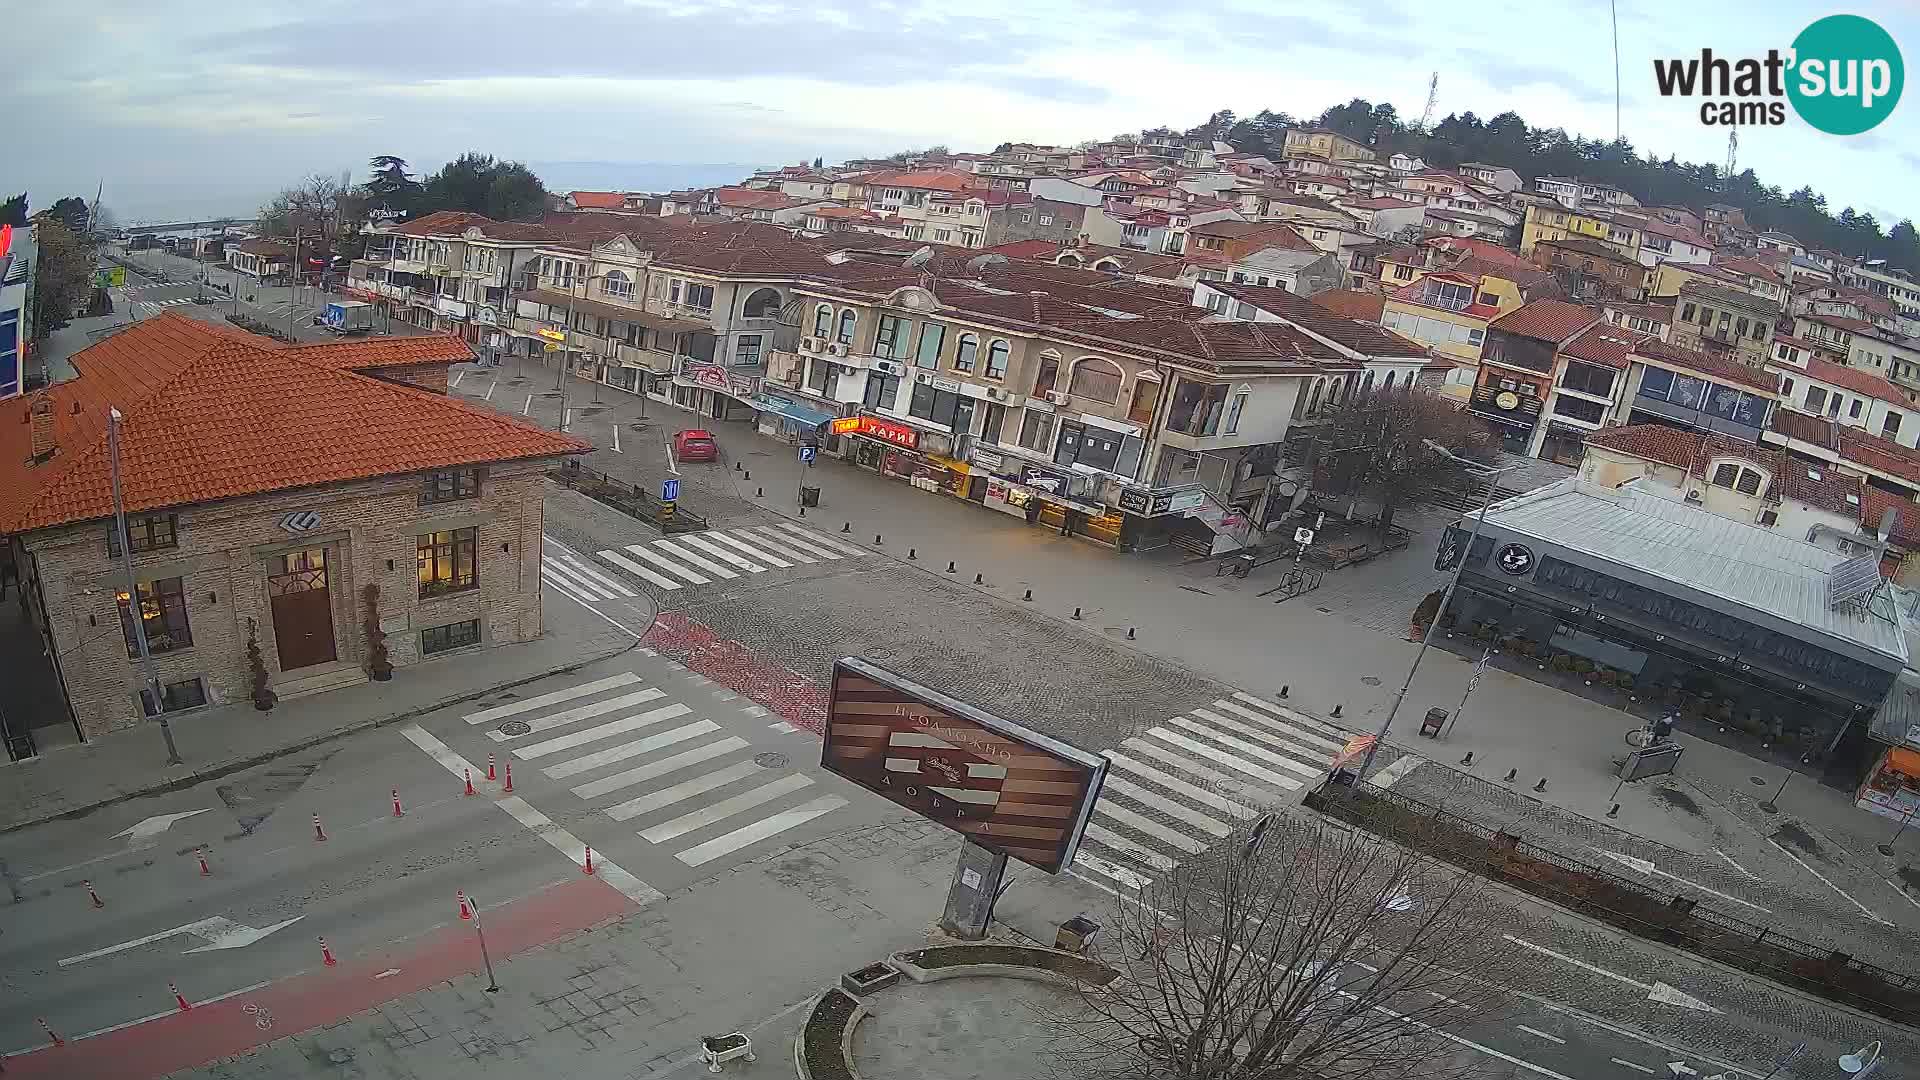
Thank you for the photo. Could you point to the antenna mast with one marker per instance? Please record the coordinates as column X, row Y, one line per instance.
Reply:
column 1733, row 157
column 1433, row 96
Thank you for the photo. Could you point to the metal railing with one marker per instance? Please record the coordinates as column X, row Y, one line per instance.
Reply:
column 630, row 499
column 1675, row 920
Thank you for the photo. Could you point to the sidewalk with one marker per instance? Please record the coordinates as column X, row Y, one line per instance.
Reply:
column 224, row 739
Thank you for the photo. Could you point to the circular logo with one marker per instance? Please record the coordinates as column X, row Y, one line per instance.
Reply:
column 1515, row 559
column 1846, row 75
column 1507, row 399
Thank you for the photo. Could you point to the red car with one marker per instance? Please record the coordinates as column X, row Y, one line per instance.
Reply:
column 695, row 444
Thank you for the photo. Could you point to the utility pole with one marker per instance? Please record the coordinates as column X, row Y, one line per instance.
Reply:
column 135, row 613
column 292, row 285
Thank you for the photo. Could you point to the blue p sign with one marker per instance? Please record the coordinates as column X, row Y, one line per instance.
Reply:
column 806, row 454
column 670, row 489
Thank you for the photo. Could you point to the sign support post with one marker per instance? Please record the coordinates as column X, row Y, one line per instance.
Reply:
column 976, row 885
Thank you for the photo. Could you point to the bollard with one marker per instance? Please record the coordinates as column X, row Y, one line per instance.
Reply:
column 876, row 539
column 759, row 493
column 179, row 998
column 588, row 868
column 490, row 773
column 1336, row 710
column 1028, row 596
column 746, row 475
column 1468, row 760
column 1130, row 633
column 326, row 954
column 949, row 566
column 318, row 832
column 51, row 1034
column 466, row 912
column 509, row 788
column 846, row 526
column 1614, row 812
column 469, row 791
column 803, row 511
column 1542, row 785
column 1076, row 613
column 397, row 811
column 1283, row 691
column 913, row 553
column 205, row 871
column 736, row 466
column 979, row 579
column 1511, row 773
column 93, row 897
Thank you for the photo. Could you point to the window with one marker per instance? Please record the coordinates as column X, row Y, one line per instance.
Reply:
column 1891, row 425
column 1036, row 431
column 451, row 485
column 847, row 318
column 1095, row 378
column 990, row 428
column 943, row 236
column 1579, row 409
column 1726, row 474
column 186, row 694
column 882, row 390
column 932, row 337
column 891, row 339
column 1587, row 379
column 1234, row 410
column 822, row 321
column 762, row 304
column 997, row 360
column 1146, row 393
column 964, row 352
column 163, row 617
column 1046, row 219
column 1853, row 409
column 1449, row 295
column 438, row 639
column 1197, row 406
column 936, row 406
column 1749, row 482
column 1489, row 299
column 1816, row 400
column 145, row 532
column 636, row 336
column 616, row 284
column 699, row 296
column 446, row 561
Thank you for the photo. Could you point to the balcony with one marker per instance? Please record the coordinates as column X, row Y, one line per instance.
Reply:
column 1505, row 406
column 407, row 266
column 654, row 360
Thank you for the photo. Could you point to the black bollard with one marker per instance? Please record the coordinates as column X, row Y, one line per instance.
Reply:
column 979, row 579
column 1029, row 595
column 1336, row 710
column 746, row 476
column 949, row 566
column 803, row 511
column 1129, row 633
column 846, row 526
column 1511, row 773
column 1076, row 613
column 759, row 493
column 913, row 554
column 1614, row 812
column 876, row 538
column 1542, row 785
column 1468, row 760
column 1283, row 690
column 736, row 466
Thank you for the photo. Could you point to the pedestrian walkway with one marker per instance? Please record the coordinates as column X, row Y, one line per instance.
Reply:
column 146, row 309
column 694, row 788
column 1170, row 790
column 704, row 558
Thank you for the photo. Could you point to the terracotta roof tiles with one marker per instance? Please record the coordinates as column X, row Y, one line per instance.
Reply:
column 1546, row 320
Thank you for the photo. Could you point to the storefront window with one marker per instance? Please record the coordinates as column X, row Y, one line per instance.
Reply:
column 1036, row 431
column 881, row 390
column 891, row 340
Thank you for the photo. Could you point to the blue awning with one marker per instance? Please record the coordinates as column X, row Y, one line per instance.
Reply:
column 792, row 411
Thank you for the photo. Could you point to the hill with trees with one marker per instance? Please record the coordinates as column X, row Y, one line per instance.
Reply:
column 1508, row 140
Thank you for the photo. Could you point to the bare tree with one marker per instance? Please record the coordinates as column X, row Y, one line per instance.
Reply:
column 1375, row 449
column 1293, row 949
column 317, row 206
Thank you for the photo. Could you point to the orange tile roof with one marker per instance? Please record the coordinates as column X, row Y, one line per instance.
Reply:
column 1352, row 303
column 1854, row 379
column 1603, row 344
column 935, row 179
column 598, row 200
column 1547, row 320
column 214, row 413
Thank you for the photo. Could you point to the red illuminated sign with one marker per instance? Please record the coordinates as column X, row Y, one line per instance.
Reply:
column 889, row 432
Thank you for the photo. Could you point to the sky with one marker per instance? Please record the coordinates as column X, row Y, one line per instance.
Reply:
column 203, row 108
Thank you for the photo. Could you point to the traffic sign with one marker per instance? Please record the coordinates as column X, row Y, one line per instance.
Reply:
column 1303, row 536
column 670, row 489
column 806, row 455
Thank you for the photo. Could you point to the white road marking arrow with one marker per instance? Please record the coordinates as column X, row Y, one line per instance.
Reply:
column 219, row 932
column 1645, row 866
column 1655, row 991
column 1679, row 1068
column 154, row 826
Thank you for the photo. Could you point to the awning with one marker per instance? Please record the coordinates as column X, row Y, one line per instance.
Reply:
column 580, row 304
column 792, row 410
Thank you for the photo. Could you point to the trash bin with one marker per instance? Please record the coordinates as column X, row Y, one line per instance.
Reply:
column 809, row 496
column 1431, row 724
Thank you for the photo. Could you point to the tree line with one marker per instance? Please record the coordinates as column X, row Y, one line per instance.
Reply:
column 1508, row 140
column 335, row 207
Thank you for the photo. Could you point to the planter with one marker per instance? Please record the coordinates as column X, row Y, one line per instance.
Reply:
column 1006, row 961
column 822, row 1050
column 870, row 978
column 716, row 1050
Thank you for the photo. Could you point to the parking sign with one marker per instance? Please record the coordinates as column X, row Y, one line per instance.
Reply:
column 670, row 489
column 806, row 455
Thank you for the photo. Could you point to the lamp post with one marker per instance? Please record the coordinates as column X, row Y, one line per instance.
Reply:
column 136, row 615
column 480, row 931
column 1492, row 477
column 585, row 282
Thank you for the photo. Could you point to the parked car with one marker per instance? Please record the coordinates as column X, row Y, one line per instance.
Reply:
column 695, row 444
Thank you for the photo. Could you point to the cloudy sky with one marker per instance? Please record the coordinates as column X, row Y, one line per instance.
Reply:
column 199, row 107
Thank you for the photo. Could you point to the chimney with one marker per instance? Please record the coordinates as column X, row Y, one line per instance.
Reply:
column 40, row 416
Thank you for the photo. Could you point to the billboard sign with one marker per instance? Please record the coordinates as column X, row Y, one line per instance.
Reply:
column 1001, row 785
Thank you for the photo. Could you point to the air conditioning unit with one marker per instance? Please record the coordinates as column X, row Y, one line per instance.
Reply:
column 1058, row 397
column 890, row 367
column 837, row 349
column 996, row 393
column 1693, row 495
column 922, row 377
column 810, row 344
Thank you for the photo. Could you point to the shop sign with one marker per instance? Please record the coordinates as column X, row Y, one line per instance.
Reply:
column 1180, row 502
column 951, row 386
column 844, row 426
column 715, row 377
column 888, row 432
column 486, row 316
column 1135, row 502
column 988, row 460
column 550, row 334
column 1515, row 560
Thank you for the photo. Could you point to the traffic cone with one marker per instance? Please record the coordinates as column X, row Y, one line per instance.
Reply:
column 490, row 775
column 204, row 870
column 397, row 812
column 589, row 863
column 179, row 998
column 92, row 896
column 509, row 787
column 326, row 954
column 466, row 912
column 51, row 1034
column 469, row 790
column 318, row 832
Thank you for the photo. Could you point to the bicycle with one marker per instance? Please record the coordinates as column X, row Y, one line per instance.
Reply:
column 263, row 1019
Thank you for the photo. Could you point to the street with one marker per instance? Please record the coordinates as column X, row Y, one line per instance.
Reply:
column 289, row 309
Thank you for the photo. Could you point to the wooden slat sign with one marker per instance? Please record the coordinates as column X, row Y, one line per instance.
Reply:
column 1007, row 788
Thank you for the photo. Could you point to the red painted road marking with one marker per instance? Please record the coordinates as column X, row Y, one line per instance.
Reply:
column 186, row 1040
column 795, row 698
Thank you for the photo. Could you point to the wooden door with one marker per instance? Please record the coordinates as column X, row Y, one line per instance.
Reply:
column 302, row 609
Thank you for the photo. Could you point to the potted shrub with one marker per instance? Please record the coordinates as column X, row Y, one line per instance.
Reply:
column 1562, row 663
column 378, row 665
column 263, row 696
column 1624, row 681
column 1424, row 614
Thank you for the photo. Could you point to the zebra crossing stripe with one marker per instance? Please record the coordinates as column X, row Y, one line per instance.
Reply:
column 723, row 538
column 778, row 544
column 667, row 564
column 572, row 592
column 772, row 534
column 582, row 569
column 719, row 552
column 1175, row 784
column 637, row 570
column 1107, row 838
column 1294, row 745
column 1178, row 811
column 726, row 808
column 822, row 541
column 678, row 552
column 1298, row 734
column 1292, row 715
column 600, row 731
column 1195, row 746
column 1140, row 823
column 584, row 712
column 580, row 583
column 501, row 712
column 1251, row 750
column 1118, row 874
column 1148, row 748
column 773, row 825
column 663, row 767
column 589, row 762
column 648, row 803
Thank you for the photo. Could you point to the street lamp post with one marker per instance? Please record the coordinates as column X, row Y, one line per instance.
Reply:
column 135, row 613
column 480, row 931
column 1492, row 477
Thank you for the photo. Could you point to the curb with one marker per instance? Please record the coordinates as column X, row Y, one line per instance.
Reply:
column 214, row 772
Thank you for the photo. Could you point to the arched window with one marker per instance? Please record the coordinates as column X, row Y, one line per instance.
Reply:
column 847, row 318
column 997, row 360
column 1095, row 378
column 822, row 321
column 964, row 352
column 761, row 304
column 1313, row 402
column 1388, row 385
column 617, row 284
column 1366, row 387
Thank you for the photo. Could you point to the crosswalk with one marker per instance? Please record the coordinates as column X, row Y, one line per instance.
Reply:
column 148, row 308
column 1178, row 787
column 718, row 555
column 573, row 577
column 685, row 783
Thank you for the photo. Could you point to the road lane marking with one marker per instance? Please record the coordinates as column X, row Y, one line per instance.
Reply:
column 1751, row 876
column 584, row 712
column 1541, row 1034
column 718, row 552
column 501, row 712
column 457, row 376
column 218, row 931
column 538, row 823
column 1646, row 866
column 1656, row 991
column 708, row 565
column 722, row 538
column 490, row 389
column 602, row 731
column 772, row 825
column 1630, row 1064
column 653, row 770
column 1864, row 910
column 728, row 807
column 590, row 762
column 616, row 442
column 528, row 407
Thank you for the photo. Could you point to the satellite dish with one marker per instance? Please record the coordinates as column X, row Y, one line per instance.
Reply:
column 981, row 262
column 920, row 258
